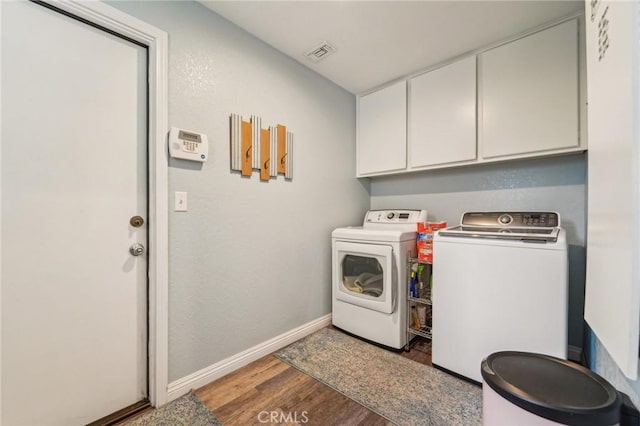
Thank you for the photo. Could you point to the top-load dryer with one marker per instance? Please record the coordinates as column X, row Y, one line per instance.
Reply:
column 369, row 275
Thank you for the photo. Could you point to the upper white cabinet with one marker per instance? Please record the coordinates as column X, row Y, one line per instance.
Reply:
column 442, row 115
column 521, row 98
column 530, row 93
column 382, row 130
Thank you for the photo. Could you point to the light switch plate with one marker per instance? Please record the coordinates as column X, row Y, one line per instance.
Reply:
column 180, row 201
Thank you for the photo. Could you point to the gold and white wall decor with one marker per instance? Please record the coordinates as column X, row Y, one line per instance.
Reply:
column 246, row 148
column 282, row 148
column 256, row 123
column 288, row 169
column 265, row 152
column 273, row 147
column 270, row 151
column 236, row 132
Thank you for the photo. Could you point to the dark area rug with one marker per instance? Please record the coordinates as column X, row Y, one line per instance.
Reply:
column 399, row 389
column 187, row 410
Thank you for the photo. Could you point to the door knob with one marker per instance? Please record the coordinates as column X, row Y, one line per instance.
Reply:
column 136, row 221
column 136, row 249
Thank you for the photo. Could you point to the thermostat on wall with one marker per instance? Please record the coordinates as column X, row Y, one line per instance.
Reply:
column 188, row 145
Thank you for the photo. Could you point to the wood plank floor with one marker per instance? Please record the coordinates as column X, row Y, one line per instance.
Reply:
column 269, row 387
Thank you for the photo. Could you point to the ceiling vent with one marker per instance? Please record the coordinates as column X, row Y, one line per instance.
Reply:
column 320, row 52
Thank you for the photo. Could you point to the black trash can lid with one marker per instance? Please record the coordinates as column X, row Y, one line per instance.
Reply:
column 552, row 388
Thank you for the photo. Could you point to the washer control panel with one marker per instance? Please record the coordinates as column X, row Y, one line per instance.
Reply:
column 395, row 216
column 512, row 219
column 505, row 219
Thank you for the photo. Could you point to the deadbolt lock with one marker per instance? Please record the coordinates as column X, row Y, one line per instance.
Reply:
column 136, row 221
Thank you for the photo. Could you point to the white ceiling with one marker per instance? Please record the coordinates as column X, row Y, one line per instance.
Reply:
column 379, row 41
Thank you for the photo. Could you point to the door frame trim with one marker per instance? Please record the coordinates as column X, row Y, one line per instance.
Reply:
column 156, row 41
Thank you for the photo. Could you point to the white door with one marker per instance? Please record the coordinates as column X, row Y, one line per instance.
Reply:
column 73, row 173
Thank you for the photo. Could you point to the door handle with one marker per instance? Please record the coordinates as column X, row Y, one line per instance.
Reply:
column 136, row 221
column 136, row 249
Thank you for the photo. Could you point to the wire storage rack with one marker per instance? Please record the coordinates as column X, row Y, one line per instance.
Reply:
column 419, row 301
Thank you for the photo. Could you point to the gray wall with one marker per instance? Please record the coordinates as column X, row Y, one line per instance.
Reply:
column 555, row 184
column 249, row 260
column 603, row 364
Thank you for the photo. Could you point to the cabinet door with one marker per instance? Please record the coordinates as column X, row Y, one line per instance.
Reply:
column 612, row 293
column 382, row 130
column 442, row 115
column 529, row 93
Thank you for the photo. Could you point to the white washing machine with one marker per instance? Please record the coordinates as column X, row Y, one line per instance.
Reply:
column 500, row 283
column 369, row 275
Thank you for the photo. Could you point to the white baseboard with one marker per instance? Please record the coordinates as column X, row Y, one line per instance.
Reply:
column 208, row 374
column 575, row 353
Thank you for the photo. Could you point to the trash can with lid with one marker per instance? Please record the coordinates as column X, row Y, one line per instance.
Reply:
column 522, row 388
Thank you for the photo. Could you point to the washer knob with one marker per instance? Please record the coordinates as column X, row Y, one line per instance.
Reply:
column 505, row 219
column 390, row 215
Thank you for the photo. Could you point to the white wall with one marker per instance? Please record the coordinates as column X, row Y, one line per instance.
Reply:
column 554, row 184
column 249, row 260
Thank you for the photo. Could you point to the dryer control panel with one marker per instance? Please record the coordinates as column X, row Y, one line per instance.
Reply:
column 395, row 216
